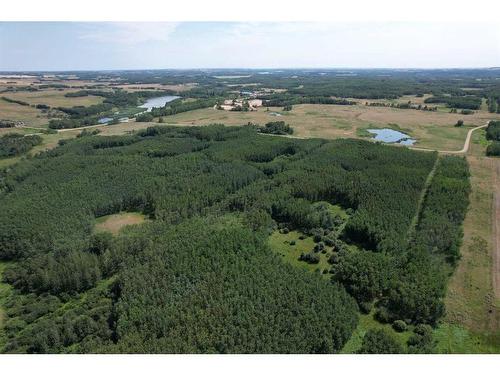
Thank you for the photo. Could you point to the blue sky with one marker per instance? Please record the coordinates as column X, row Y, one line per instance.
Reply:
column 98, row 45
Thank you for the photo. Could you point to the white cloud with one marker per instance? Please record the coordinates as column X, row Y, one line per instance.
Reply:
column 129, row 33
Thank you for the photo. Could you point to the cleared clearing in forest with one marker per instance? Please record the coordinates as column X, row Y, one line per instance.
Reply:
column 114, row 223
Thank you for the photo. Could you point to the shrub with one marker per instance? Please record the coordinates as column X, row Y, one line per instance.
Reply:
column 422, row 341
column 382, row 315
column 493, row 149
column 399, row 326
column 310, row 258
column 365, row 307
column 144, row 117
column 380, row 341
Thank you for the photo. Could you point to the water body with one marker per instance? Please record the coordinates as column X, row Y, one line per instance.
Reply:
column 392, row 136
column 159, row 101
column 104, row 120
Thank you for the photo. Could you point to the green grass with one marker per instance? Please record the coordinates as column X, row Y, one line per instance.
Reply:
column 455, row 339
column 280, row 244
column 367, row 322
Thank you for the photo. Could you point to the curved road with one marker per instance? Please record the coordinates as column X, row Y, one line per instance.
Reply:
column 466, row 144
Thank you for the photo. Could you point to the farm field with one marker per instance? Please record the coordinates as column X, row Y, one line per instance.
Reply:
column 472, row 323
column 431, row 129
column 53, row 98
column 27, row 114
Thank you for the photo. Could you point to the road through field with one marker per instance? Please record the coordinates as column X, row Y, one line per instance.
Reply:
column 466, row 143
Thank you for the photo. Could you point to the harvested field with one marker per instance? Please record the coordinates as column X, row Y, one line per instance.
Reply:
column 54, row 98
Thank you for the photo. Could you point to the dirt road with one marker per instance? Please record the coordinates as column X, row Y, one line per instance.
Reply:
column 466, row 143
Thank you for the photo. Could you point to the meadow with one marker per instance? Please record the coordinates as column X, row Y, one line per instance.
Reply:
column 434, row 130
column 54, row 98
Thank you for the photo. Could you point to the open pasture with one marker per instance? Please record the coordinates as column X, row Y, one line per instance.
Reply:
column 27, row 114
column 431, row 129
column 53, row 98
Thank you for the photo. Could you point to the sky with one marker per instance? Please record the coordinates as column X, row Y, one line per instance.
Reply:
column 46, row 46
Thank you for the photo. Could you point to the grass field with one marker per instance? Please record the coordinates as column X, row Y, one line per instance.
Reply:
column 367, row 322
column 29, row 115
column 280, row 243
column 114, row 223
column 430, row 129
column 53, row 98
column 472, row 323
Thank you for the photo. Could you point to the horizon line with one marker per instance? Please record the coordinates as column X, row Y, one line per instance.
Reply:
column 242, row 68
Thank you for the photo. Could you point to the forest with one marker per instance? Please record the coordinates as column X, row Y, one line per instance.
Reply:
column 493, row 135
column 199, row 275
column 17, row 144
column 464, row 102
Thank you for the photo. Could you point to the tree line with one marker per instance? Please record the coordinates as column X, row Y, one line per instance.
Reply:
column 17, row 144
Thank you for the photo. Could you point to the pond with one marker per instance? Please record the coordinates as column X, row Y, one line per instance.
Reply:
column 392, row 136
column 104, row 120
column 159, row 101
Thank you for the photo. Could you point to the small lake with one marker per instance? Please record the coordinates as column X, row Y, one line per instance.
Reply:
column 104, row 120
column 392, row 136
column 159, row 101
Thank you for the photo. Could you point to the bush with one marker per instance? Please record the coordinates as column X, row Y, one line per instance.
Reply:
column 380, row 341
column 399, row 326
column 276, row 127
column 365, row 307
column 382, row 315
column 334, row 258
column 310, row 258
column 422, row 341
column 459, row 123
column 144, row 117
column 319, row 247
column 493, row 131
column 493, row 149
